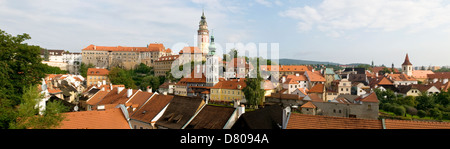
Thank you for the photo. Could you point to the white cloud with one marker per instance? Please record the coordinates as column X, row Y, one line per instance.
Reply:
column 333, row 16
column 269, row 3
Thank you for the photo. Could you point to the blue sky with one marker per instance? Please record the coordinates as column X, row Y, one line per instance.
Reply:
column 342, row 31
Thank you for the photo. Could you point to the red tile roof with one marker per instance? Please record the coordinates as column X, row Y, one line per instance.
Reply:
column 318, row 88
column 151, row 108
column 302, row 121
column 286, row 68
column 406, row 60
column 308, row 105
column 108, row 119
column 439, row 75
column 405, row 124
column 372, row 97
column 151, row 48
column 97, row 72
column 167, row 58
column 191, row 50
column 236, row 84
column 400, row 77
column 315, row 77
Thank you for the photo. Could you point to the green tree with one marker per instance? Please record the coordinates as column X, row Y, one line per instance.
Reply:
column 254, row 94
column 84, row 68
column 424, row 102
column 20, row 68
column 152, row 81
column 28, row 114
column 120, row 76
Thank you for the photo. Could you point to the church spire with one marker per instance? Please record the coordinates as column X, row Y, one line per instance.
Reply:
column 407, row 62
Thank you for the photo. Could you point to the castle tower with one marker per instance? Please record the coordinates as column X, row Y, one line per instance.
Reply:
column 203, row 35
column 212, row 65
column 407, row 66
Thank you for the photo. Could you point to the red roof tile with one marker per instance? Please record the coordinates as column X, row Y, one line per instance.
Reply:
column 108, row 119
column 97, row 72
column 302, row 121
column 405, row 124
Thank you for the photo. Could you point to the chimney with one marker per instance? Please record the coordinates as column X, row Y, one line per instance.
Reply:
column 104, row 82
column 376, row 75
column 110, row 87
column 149, row 89
column 445, row 81
column 119, row 89
column 129, row 92
column 297, row 74
column 283, row 79
column 286, row 113
column 241, row 110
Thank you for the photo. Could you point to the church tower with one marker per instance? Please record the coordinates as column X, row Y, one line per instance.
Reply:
column 407, row 66
column 212, row 65
column 203, row 35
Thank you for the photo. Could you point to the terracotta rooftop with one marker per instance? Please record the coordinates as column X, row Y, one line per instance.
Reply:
column 167, row 58
column 211, row 117
column 405, row 124
column 314, row 77
column 400, row 77
column 97, row 72
column 439, row 75
column 372, row 97
column 285, row 68
column 151, row 108
column 97, row 97
column 318, row 88
column 150, row 48
column 191, row 50
column 107, row 119
column 179, row 111
column 303, row 121
column 308, row 105
column 236, row 84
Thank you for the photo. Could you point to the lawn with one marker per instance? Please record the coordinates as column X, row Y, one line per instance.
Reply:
column 391, row 115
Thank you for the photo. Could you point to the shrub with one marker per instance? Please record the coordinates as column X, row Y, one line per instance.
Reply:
column 421, row 113
column 436, row 113
column 399, row 110
column 386, row 106
column 410, row 110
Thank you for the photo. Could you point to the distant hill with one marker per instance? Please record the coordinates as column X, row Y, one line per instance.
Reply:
column 303, row 62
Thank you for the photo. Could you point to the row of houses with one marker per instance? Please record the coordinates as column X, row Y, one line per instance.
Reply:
column 114, row 107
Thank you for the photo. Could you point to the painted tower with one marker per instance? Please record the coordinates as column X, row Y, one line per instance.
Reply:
column 212, row 65
column 203, row 35
column 407, row 66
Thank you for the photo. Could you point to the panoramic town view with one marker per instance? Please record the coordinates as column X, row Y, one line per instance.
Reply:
column 259, row 64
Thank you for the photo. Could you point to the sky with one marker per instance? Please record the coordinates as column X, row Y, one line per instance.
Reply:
column 341, row 31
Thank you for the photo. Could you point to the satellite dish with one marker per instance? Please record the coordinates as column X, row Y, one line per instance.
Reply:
column 75, row 108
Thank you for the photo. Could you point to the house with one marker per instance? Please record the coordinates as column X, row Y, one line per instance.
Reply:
column 280, row 70
column 401, row 79
column 302, row 92
column 441, row 77
column 95, row 75
column 365, row 106
column 228, row 90
column 417, row 89
column 167, row 88
column 309, row 108
column 114, row 118
column 269, row 117
column 292, row 82
column 237, row 68
column 164, row 64
column 314, row 78
column 180, row 111
column 146, row 115
column 345, row 87
column 215, row 117
column 330, row 76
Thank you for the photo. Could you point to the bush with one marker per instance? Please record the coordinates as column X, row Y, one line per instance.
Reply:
column 399, row 110
column 436, row 113
column 411, row 110
column 386, row 106
column 421, row 113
